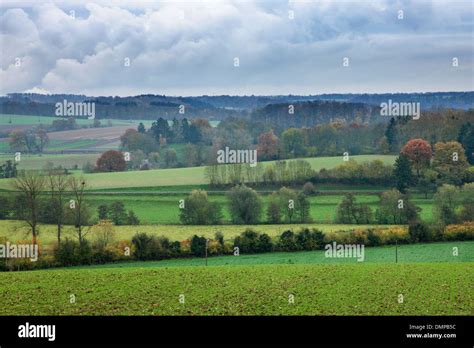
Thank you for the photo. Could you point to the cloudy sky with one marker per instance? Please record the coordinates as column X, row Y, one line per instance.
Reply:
column 190, row 47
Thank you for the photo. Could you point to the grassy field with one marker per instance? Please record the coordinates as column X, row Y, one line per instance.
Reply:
column 411, row 253
column 28, row 120
column 16, row 230
column 163, row 209
column 318, row 289
column 188, row 176
column 39, row 161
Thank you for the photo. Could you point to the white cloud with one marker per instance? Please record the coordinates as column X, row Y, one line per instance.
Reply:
column 186, row 48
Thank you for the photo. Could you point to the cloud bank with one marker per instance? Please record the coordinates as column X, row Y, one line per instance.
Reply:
column 190, row 48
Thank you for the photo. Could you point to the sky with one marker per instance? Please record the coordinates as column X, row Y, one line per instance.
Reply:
column 192, row 47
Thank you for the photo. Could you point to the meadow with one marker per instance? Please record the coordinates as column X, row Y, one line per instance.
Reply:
column 410, row 253
column 30, row 120
column 29, row 162
column 316, row 289
column 187, row 176
column 164, row 208
column 16, row 230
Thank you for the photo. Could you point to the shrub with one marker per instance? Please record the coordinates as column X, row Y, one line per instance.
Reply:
column 309, row 189
column 198, row 246
column 265, row 243
column 250, row 242
column 310, row 240
column 247, row 242
column 102, row 255
column 287, row 241
column 419, row 233
column 142, row 246
column 70, row 253
column 132, row 219
column 373, row 238
column 463, row 231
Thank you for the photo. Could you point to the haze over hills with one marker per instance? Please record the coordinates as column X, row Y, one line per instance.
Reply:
column 149, row 106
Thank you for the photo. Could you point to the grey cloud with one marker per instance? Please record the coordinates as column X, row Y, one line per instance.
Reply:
column 188, row 48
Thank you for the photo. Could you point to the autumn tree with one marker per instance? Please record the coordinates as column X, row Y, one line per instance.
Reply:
column 450, row 162
column 171, row 158
column 18, row 141
column 30, row 185
column 273, row 209
column 43, row 139
column 445, row 203
column 419, row 152
column 111, row 161
column 396, row 208
column 293, row 143
column 267, row 148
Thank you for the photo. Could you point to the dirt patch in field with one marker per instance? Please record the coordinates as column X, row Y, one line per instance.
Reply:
column 106, row 133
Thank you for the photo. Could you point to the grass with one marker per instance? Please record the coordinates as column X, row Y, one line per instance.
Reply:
column 27, row 120
column 39, row 161
column 318, row 289
column 16, row 230
column 411, row 253
column 188, row 176
column 163, row 208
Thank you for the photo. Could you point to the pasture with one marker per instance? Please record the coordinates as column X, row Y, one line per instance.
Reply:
column 317, row 289
column 16, row 230
column 189, row 176
column 411, row 253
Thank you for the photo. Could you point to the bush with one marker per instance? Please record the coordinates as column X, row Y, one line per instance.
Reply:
column 250, row 242
column 71, row 253
column 373, row 238
column 265, row 243
column 102, row 255
column 142, row 246
column 309, row 240
column 419, row 233
column 198, row 246
column 463, row 231
column 309, row 189
column 287, row 241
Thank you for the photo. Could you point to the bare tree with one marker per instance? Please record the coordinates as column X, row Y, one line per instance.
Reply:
column 79, row 208
column 30, row 184
column 58, row 183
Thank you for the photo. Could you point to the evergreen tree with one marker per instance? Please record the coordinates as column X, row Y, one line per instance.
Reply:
column 466, row 138
column 403, row 174
column 391, row 135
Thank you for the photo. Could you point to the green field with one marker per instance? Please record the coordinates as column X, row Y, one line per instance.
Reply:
column 188, row 176
column 26, row 120
column 39, row 161
column 163, row 209
column 16, row 230
column 411, row 253
column 318, row 289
